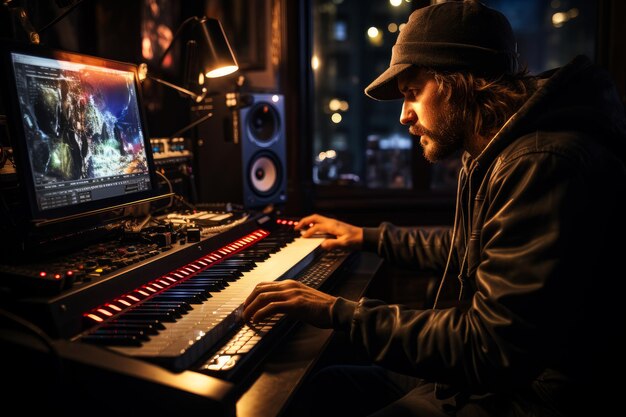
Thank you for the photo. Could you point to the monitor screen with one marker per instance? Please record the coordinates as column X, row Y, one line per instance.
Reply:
column 79, row 126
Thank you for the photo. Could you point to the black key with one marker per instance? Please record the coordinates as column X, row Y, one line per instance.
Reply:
column 206, row 285
column 146, row 328
column 147, row 315
column 148, row 323
column 154, row 309
column 139, row 334
column 217, row 281
column 180, row 306
column 240, row 264
column 112, row 340
column 182, row 291
column 192, row 297
column 250, row 256
column 219, row 274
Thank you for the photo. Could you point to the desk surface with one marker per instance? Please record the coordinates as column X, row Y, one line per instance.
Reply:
column 288, row 364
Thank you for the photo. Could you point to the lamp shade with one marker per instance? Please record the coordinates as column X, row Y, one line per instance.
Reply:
column 218, row 58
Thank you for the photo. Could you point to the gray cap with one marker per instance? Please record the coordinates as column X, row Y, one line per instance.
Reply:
column 456, row 35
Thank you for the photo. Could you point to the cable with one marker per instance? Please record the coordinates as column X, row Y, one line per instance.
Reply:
column 182, row 200
column 61, row 16
column 170, row 188
column 221, row 228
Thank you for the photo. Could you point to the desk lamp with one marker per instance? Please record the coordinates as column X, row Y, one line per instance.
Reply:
column 214, row 54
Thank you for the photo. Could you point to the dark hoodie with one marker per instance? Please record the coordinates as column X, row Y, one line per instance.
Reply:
column 539, row 240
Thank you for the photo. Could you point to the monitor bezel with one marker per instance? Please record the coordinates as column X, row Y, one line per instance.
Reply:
column 18, row 137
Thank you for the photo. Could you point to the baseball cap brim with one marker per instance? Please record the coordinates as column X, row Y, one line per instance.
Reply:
column 385, row 87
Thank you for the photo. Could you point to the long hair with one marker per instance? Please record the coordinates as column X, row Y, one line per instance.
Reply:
column 489, row 103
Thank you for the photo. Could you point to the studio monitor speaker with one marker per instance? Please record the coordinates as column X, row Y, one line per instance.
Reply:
column 241, row 156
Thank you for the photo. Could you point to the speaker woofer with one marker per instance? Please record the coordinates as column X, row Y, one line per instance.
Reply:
column 264, row 173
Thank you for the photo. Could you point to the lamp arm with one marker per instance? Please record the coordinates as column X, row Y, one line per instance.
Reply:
column 196, row 97
column 61, row 16
column 142, row 72
column 192, row 124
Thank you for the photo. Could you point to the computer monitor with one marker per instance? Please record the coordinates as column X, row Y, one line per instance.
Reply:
column 78, row 129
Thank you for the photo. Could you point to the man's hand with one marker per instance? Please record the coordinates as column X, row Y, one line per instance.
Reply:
column 346, row 235
column 291, row 298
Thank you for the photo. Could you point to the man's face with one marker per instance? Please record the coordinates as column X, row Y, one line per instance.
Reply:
column 429, row 115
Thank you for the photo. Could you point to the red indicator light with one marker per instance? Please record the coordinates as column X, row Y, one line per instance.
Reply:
column 57, row 276
column 69, row 273
column 105, row 312
column 95, row 318
column 43, row 274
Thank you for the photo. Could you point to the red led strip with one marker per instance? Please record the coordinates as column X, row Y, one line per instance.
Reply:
column 112, row 308
column 286, row 222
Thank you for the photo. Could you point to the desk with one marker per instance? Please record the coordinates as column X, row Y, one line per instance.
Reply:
column 95, row 377
column 289, row 363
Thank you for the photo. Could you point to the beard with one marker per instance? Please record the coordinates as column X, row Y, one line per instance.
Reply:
column 444, row 139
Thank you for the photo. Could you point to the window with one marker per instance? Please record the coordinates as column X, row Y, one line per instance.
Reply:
column 359, row 142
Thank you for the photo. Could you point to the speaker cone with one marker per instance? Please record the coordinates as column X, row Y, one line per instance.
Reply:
column 264, row 174
column 263, row 123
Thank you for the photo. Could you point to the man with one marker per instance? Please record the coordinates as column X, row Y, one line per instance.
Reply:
column 536, row 244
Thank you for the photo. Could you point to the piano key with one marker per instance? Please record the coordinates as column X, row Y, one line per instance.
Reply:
column 186, row 297
column 179, row 306
column 151, row 323
column 144, row 327
column 207, row 288
column 240, row 264
column 151, row 308
column 135, row 333
column 112, row 340
column 184, row 341
column 148, row 315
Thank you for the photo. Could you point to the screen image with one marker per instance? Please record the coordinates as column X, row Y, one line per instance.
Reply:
column 83, row 131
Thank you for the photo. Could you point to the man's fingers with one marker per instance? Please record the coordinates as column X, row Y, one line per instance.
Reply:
column 268, row 292
column 271, row 309
column 329, row 244
column 268, row 304
column 306, row 222
column 263, row 287
column 315, row 229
